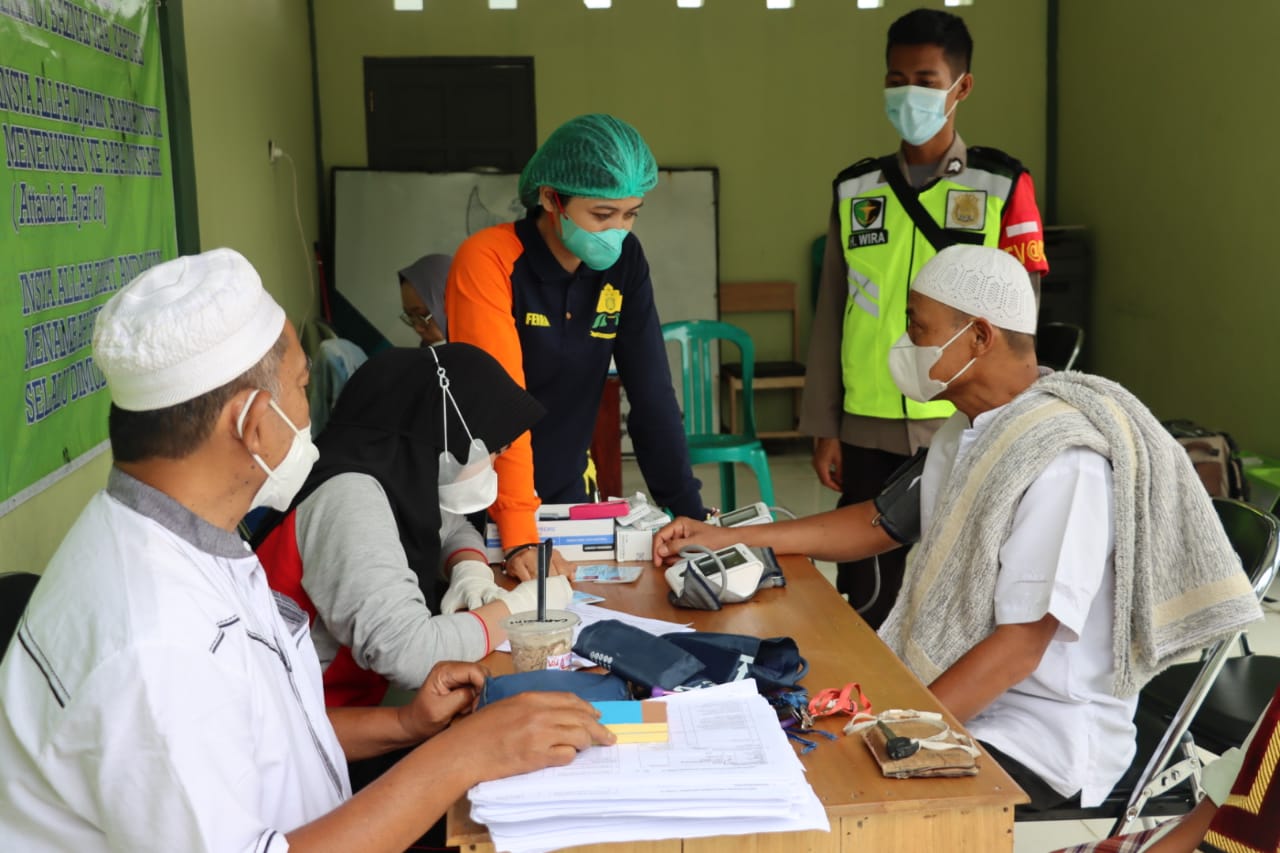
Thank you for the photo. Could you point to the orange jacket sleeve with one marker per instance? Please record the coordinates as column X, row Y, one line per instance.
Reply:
column 478, row 305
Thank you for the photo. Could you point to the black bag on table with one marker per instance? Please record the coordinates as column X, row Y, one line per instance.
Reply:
column 691, row 659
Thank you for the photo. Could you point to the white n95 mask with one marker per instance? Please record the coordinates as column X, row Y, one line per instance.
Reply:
column 283, row 483
column 909, row 365
column 463, row 488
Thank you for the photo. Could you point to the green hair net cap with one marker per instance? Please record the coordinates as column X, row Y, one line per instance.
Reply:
column 593, row 155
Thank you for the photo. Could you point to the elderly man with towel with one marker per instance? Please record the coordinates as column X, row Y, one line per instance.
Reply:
column 158, row 695
column 1067, row 552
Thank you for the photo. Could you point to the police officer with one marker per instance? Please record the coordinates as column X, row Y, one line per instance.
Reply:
column 889, row 216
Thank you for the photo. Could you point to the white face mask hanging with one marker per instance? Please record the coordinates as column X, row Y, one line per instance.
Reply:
column 463, row 488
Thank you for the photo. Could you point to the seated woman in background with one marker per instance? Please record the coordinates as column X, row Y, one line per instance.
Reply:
column 554, row 297
column 422, row 298
column 378, row 528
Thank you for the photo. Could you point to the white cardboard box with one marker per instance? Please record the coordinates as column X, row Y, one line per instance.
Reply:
column 577, row 540
column 633, row 545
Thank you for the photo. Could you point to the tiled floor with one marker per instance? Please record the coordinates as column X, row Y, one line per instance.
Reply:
column 796, row 487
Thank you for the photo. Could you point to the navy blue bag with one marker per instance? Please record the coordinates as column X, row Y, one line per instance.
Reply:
column 774, row 663
column 593, row 687
column 691, row 659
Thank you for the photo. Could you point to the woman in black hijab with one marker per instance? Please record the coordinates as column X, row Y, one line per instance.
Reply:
column 367, row 549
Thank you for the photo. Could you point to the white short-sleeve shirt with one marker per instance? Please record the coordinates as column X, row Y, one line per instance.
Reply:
column 1062, row 722
column 157, row 696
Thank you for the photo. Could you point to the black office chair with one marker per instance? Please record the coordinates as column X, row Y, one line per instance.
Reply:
column 15, row 592
column 1248, row 681
column 1158, row 783
column 1058, row 345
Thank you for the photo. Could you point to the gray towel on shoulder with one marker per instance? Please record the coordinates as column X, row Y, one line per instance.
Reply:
column 1178, row 583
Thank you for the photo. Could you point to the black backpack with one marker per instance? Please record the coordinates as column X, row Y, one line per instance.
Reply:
column 1215, row 456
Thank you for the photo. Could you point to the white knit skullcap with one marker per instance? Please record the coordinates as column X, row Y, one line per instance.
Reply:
column 981, row 281
column 184, row 328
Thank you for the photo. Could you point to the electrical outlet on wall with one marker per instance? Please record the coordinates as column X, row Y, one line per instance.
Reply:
column 274, row 152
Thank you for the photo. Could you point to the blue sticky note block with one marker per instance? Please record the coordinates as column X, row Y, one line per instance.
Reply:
column 619, row 713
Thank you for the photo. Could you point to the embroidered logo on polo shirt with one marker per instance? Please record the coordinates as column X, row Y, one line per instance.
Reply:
column 867, row 225
column 533, row 318
column 608, row 310
column 966, row 209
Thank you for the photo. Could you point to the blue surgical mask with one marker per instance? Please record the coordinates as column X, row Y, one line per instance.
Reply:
column 597, row 249
column 917, row 112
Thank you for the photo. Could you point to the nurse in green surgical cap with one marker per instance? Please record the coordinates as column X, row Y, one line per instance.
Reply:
column 554, row 297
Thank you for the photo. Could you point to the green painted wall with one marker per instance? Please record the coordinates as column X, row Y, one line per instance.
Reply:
column 1160, row 106
column 249, row 70
column 249, row 63
column 780, row 101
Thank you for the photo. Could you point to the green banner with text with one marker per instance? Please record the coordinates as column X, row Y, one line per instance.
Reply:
column 86, row 178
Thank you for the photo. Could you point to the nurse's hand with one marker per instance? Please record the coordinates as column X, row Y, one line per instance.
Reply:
column 524, row 565
column 683, row 532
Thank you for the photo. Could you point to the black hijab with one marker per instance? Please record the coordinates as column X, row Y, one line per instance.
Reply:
column 388, row 424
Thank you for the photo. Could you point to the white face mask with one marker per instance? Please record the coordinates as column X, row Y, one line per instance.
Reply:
column 463, row 488
column 909, row 365
column 283, row 483
column 918, row 112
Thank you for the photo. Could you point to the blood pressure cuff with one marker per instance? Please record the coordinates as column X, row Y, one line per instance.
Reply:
column 774, row 663
column 638, row 656
column 772, row 569
column 898, row 504
column 687, row 659
column 592, row 687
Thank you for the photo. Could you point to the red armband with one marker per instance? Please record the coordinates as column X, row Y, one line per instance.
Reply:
column 1021, row 232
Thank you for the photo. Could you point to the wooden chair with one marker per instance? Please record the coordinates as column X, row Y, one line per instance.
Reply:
column 753, row 297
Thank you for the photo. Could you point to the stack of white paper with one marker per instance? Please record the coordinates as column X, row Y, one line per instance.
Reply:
column 728, row 769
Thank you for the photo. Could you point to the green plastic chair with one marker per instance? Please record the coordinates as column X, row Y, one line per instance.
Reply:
column 706, row 442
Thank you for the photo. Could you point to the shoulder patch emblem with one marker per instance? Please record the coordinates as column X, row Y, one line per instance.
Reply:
column 966, row 209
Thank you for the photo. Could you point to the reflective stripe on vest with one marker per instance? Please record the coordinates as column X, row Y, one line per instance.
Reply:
column 883, row 250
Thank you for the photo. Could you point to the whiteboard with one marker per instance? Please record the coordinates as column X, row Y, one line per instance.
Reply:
column 384, row 221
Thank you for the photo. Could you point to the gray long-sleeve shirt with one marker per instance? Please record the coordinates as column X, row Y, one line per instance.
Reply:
column 366, row 596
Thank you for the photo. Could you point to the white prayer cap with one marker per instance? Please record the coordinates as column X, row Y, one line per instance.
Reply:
column 184, row 328
column 982, row 281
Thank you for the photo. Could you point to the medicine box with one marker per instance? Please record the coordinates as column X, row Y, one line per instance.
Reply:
column 575, row 539
column 632, row 544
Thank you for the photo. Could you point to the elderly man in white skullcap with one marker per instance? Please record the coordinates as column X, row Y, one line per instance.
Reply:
column 1066, row 550
column 158, row 695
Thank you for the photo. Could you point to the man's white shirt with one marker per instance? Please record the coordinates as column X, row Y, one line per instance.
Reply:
column 158, row 695
column 1062, row 722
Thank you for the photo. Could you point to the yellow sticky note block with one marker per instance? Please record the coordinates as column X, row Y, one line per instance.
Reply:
column 635, row 722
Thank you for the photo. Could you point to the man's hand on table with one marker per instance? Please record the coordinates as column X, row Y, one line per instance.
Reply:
column 530, row 731
column 451, row 689
column 524, row 565
column 682, row 532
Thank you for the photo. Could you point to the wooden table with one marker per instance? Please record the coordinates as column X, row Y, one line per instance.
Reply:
column 868, row 812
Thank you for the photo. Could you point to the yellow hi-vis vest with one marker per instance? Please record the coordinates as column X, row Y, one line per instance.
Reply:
column 884, row 248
